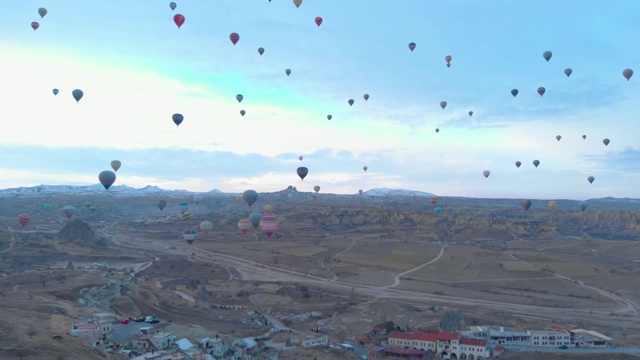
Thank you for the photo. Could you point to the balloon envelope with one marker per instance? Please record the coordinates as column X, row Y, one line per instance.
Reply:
column 486, row 173
column 412, row 46
column 190, row 235
column 177, row 119
column 568, row 72
column 297, row 3
column 250, row 197
column 443, row 104
column 23, row 219
column 302, row 172
column 518, row 163
column 255, row 218
column 366, row 97
column 316, row 188
column 206, row 226
column 239, row 97
column 269, row 224
column 547, row 55
column 627, row 73
column 350, row 102
column 69, row 211
column 526, row 204
column 173, row 5
column 329, row 117
column 583, row 206
column 552, row 204
column 288, row 72
column 242, row 112
column 514, row 92
column 77, row 94
column 536, row 163
column 245, row 224
column 606, row 142
column 318, row 21
column 541, row 91
column 55, row 91
column 178, row 19
column 558, row 137
column 161, row 204
column 234, row 37
column 35, row 25
column 42, row 12
column 115, row 165
column 590, row 179
column 260, row 50
column 107, row 178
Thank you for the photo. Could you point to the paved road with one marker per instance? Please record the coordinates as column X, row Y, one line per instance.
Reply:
column 252, row 270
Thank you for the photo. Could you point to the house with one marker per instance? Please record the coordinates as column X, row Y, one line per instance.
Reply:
column 497, row 351
column 89, row 330
column 550, row 337
column 320, row 341
column 444, row 344
column 589, row 339
column 162, row 340
column 214, row 347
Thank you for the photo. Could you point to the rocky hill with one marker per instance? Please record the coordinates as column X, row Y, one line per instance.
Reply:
column 78, row 230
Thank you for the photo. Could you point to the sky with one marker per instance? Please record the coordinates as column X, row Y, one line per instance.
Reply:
column 136, row 69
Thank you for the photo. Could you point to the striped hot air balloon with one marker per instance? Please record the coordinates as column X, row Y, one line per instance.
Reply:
column 269, row 224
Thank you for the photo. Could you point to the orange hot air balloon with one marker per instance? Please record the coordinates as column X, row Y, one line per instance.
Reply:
column 234, row 37
column 178, row 19
column 433, row 200
column 552, row 204
column 318, row 21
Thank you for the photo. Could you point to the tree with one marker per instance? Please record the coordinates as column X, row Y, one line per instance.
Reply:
column 31, row 332
column 452, row 321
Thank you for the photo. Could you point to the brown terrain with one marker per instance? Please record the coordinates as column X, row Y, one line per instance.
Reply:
column 353, row 260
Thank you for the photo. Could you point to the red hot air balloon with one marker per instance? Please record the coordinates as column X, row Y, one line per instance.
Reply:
column 627, row 73
column 318, row 21
column 35, row 25
column 23, row 219
column 541, row 91
column 178, row 19
column 234, row 37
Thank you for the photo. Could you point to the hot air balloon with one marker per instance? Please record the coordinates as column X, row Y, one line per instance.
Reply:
column 288, row 72
column 234, row 37
column 255, row 218
column 161, row 204
column 107, row 178
column 55, row 91
column 268, row 208
column 486, row 173
column 329, row 117
column 526, row 204
column 558, row 137
column 300, row 157
column 590, row 179
column 302, row 172
column 547, row 55
column 606, row 142
column 47, row 206
column 177, row 119
column 518, row 163
column 448, row 60
column 250, row 197
column 568, row 72
column 536, row 163
column 239, row 97
column 23, row 219
column 541, row 91
column 69, row 211
column 206, row 226
column 178, row 19
column 190, row 235
column 470, row 113
column 242, row 112
column 318, row 21
column 583, row 206
column 366, row 97
column 239, row 198
column 42, row 12
column 316, row 188
column 433, row 200
column 360, row 191
column 552, row 205
column 245, row 224
column 115, row 165
column 173, row 5
column 297, row 3
column 443, row 104
column 35, row 25
column 437, row 210
column 437, row 130
column 269, row 224
column 77, row 94
column 260, row 51
column 183, row 207
column 412, row 46
column 185, row 215
column 627, row 73
column 584, row 136
column 514, row 92
column 350, row 102
column 365, row 168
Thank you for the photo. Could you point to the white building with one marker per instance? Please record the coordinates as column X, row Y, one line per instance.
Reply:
column 448, row 345
column 550, row 338
column 589, row 339
column 320, row 341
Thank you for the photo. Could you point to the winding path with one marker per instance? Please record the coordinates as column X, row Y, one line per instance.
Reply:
column 396, row 280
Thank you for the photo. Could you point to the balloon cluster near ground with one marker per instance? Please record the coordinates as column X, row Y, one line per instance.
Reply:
column 359, row 102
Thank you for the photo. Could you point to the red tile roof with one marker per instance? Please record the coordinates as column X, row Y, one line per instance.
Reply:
column 425, row 336
column 473, row 342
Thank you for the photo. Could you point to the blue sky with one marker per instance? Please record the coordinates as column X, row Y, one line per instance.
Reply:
column 137, row 68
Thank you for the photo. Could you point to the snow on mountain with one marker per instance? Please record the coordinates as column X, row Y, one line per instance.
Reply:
column 396, row 192
column 93, row 189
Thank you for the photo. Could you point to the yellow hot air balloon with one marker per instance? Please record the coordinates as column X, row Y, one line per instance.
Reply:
column 268, row 208
column 205, row 226
column 316, row 188
column 297, row 3
column 552, row 204
column 239, row 198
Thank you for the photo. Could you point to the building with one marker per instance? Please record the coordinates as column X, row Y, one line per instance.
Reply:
column 550, row 337
column 589, row 339
column 162, row 340
column 448, row 345
column 320, row 341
